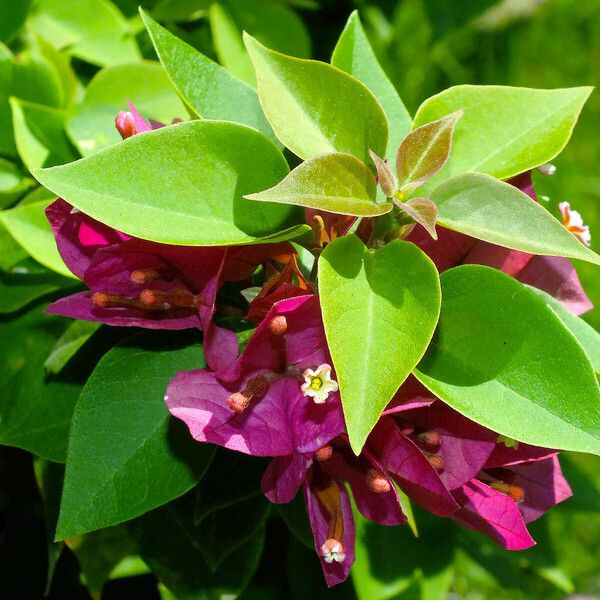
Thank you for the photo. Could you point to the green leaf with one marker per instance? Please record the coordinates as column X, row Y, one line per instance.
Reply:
column 40, row 136
column 99, row 34
column 12, row 16
column 504, row 131
column 169, row 544
column 487, row 209
column 208, row 89
column 229, row 45
column 121, row 421
column 275, row 26
column 98, row 553
column 174, row 11
column 27, row 223
column 387, row 304
column 20, row 287
column 230, row 478
column 424, row 151
column 13, row 183
column 586, row 335
column 92, row 125
column 391, row 564
column 73, row 338
column 315, row 108
column 28, row 78
column 222, row 532
column 354, row 54
column 205, row 166
column 505, row 360
column 11, row 253
column 35, row 410
column 337, row 182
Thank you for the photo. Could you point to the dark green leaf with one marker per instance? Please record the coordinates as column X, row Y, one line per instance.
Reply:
column 122, row 422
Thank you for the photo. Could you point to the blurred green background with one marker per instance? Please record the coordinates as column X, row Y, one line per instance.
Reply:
column 72, row 63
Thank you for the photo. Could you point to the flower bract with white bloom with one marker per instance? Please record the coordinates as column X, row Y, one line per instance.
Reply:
column 318, row 383
column 333, row 551
column 572, row 220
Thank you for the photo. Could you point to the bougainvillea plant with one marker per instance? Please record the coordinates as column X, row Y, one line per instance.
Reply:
column 388, row 313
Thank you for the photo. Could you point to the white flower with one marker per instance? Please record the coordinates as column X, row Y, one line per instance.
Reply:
column 318, row 383
column 572, row 220
column 333, row 551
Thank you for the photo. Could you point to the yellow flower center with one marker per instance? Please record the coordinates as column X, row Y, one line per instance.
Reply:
column 316, row 383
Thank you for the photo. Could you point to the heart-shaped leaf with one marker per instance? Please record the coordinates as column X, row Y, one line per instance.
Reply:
column 504, row 131
column 353, row 53
column 182, row 184
column 336, row 182
column 122, row 423
column 315, row 108
column 385, row 303
column 502, row 358
column 487, row 209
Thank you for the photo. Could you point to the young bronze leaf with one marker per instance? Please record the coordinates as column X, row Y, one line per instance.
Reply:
column 424, row 151
column 423, row 211
column 386, row 179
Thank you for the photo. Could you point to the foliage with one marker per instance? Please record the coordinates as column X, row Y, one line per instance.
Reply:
column 380, row 303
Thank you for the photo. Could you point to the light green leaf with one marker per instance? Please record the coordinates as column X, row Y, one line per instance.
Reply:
column 487, row 209
column 208, row 89
column 315, row 108
column 28, row 78
column 586, row 335
column 354, row 54
column 92, row 125
column 386, row 303
column 40, row 136
column 229, row 45
column 174, row 11
column 504, row 359
column 99, row 34
column 126, row 455
column 337, row 182
column 275, row 26
column 182, row 184
column 73, row 338
column 27, row 223
column 504, row 130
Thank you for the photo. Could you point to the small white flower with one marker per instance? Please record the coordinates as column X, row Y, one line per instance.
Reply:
column 318, row 383
column 572, row 220
column 333, row 551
